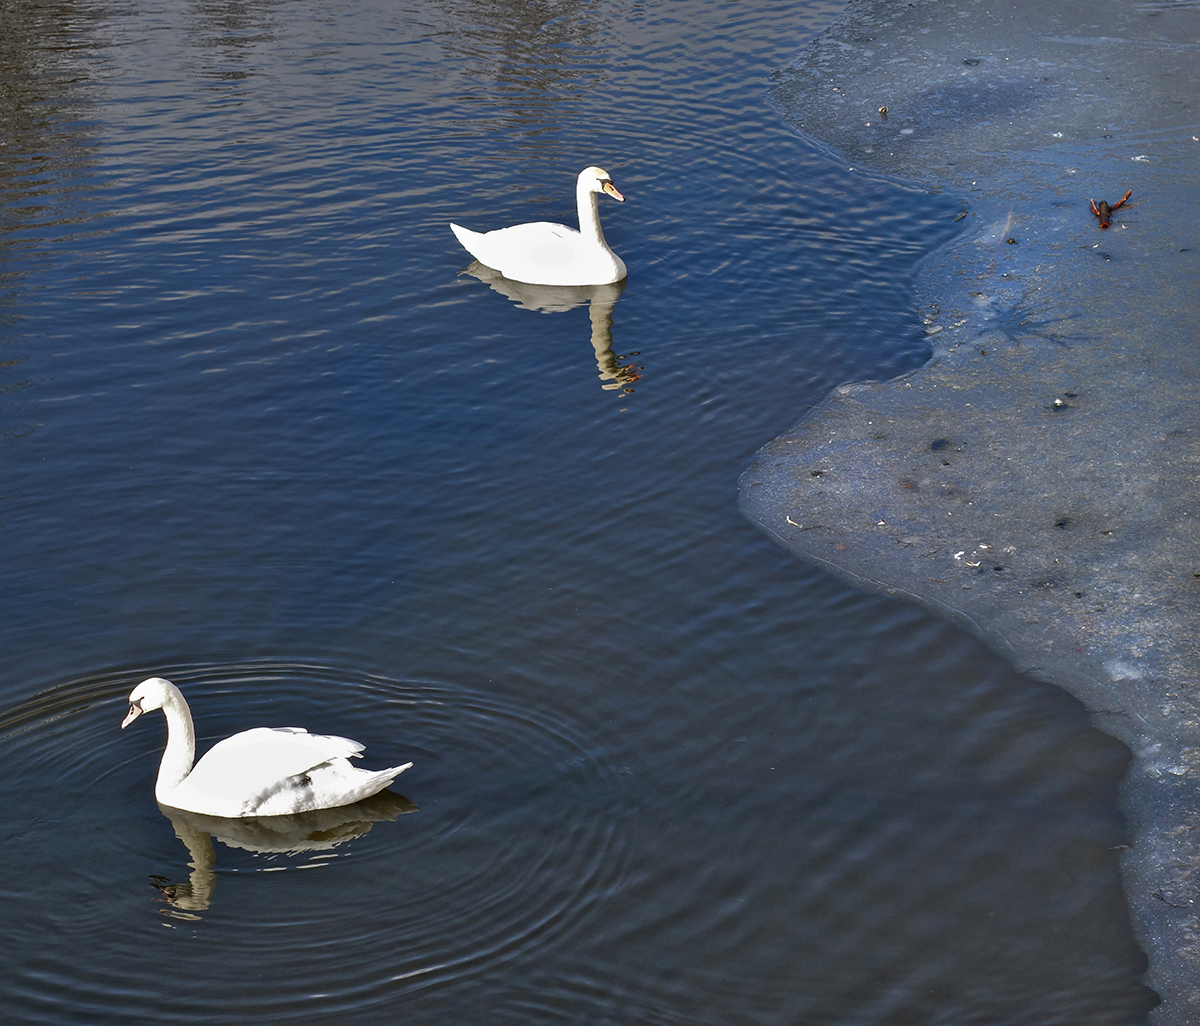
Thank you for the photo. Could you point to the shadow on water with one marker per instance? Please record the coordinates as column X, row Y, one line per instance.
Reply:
column 600, row 300
column 317, row 831
column 511, row 55
column 46, row 141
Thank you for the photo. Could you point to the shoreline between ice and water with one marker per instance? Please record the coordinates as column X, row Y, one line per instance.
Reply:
column 1034, row 481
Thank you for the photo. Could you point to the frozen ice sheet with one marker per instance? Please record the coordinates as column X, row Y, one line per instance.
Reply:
column 1036, row 481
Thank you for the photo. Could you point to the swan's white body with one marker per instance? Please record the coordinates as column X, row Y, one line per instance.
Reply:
column 544, row 253
column 267, row 771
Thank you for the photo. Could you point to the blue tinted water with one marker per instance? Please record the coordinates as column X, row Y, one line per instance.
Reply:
column 263, row 438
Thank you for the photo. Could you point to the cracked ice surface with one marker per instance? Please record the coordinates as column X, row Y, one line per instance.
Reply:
column 1036, row 481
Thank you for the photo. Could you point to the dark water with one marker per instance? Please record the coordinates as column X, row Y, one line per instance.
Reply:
column 263, row 439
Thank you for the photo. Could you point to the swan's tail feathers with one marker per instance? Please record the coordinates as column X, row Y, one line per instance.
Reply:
column 468, row 239
column 395, row 771
column 382, row 778
column 357, row 784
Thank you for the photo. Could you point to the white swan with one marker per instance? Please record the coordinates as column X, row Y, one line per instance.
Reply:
column 267, row 771
column 544, row 253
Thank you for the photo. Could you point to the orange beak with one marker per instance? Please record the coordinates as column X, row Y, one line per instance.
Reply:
column 134, row 712
column 612, row 191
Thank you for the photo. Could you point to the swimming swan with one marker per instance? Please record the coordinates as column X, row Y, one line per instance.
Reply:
column 544, row 253
column 267, row 771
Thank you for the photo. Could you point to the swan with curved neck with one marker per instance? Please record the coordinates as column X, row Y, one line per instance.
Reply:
column 266, row 771
column 544, row 253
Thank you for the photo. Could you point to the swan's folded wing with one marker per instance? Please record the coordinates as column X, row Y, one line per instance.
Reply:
column 258, row 760
column 525, row 248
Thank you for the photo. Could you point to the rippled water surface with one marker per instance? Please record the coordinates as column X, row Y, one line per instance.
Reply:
column 262, row 437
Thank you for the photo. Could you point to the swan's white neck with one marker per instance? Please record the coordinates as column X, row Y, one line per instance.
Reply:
column 180, row 752
column 587, row 202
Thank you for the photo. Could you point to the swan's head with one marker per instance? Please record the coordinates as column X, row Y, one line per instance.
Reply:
column 595, row 179
column 152, row 693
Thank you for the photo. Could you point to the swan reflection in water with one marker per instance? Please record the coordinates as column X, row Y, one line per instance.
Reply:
column 320, row 830
column 559, row 298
